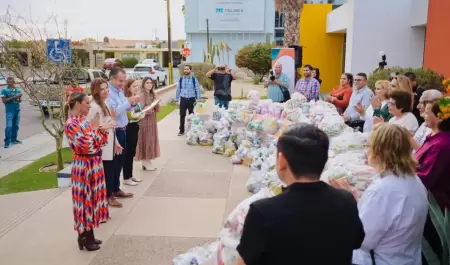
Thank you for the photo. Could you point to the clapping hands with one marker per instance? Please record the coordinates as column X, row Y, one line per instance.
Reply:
column 134, row 100
column 343, row 183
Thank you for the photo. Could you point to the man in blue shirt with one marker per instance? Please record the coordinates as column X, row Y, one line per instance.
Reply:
column 360, row 99
column 188, row 91
column 121, row 105
column 11, row 97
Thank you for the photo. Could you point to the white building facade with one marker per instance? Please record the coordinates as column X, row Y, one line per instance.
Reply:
column 394, row 27
column 234, row 22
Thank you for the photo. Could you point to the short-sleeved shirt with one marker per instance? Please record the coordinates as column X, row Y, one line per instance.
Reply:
column 309, row 223
column 9, row 93
column 274, row 91
column 222, row 85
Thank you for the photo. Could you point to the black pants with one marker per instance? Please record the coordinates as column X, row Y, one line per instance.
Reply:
column 108, row 167
column 132, row 139
column 185, row 104
column 119, row 159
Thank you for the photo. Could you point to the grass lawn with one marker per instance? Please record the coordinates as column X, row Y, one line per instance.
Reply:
column 165, row 110
column 29, row 178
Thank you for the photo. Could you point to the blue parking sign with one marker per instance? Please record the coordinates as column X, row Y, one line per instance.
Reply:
column 59, row 51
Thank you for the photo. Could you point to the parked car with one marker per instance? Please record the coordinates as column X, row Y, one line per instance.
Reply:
column 109, row 63
column 132, row 75
column 158, row 74
column 4, row 73
column 84, row 78
column 149, row 61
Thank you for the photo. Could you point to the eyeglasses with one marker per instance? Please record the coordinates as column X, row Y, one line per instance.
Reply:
column 392, row 78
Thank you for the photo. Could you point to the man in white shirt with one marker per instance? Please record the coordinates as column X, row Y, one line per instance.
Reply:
column 428, row 96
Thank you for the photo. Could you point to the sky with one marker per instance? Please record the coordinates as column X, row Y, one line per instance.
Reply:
column 129, row 19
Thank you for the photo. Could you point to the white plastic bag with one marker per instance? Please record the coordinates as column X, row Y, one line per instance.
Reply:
column 204, row 255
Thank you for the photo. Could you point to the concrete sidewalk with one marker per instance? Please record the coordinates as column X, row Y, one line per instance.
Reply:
column 179, row 206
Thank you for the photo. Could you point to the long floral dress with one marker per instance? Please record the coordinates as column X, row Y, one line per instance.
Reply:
column 148, row 142
column 90, row 206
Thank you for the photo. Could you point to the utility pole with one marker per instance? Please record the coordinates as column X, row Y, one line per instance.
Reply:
column 207, row 39
column 169, row 43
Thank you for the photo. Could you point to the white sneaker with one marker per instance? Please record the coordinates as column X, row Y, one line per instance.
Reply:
column 136, row 179
column 130, row 182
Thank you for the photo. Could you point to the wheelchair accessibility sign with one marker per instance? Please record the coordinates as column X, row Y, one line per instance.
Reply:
column 59, row 51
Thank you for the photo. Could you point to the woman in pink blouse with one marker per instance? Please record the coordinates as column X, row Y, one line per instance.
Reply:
column 434, row 167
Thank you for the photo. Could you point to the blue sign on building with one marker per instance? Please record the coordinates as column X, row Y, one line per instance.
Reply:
column 59, row 51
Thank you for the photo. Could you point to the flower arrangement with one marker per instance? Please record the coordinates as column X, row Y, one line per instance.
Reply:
column 446, row 85
column 444, row 106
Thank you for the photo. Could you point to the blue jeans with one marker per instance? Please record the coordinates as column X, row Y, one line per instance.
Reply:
column 222, row 103
column 12, row 125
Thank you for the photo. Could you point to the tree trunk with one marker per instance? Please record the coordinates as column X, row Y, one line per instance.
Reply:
column 291, row 22
column 59, row 157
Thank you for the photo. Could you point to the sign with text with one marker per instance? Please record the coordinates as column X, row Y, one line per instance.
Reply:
column 232, row 15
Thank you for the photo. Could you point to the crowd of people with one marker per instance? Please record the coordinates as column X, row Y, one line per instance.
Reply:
column 409, row 148
column 107, row 131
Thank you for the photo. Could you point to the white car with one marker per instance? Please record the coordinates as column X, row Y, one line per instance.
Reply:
column 4, row 73
column 132, row 75
column 158, row 74
column 149, row 61
column 84, row 78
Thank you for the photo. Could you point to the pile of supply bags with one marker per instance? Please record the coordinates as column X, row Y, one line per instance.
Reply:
column 247, row 133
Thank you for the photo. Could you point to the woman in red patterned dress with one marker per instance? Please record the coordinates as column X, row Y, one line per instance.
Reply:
column 86, row 138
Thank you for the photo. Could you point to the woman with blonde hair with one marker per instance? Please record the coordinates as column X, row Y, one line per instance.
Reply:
column 148, row 143
column 132, row 88
column 402, row 82
column 394, row 207
column 378, row 102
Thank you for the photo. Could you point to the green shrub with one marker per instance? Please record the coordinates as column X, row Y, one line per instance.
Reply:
column 441, row 222
column 129, row 62
column 427, row 78
column 199, row 70
column 256, row 79
column 256, row 57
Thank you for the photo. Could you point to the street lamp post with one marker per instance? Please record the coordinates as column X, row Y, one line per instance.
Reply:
column 169, row 43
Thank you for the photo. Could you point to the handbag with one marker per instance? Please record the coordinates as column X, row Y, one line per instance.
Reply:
column 286, row 94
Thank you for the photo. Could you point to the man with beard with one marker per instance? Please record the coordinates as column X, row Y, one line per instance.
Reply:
column 188, row 91
column 308, row 86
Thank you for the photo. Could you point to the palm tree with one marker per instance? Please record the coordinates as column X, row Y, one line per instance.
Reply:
column 292, row 10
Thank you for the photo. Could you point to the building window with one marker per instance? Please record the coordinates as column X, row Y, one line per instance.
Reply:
column 279, row 36
column 130, row 55
column 279, row 20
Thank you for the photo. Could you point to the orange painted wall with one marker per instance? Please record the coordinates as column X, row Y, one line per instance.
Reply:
column 437, row 43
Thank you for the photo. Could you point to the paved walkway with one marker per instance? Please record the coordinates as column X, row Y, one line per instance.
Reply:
column 181, row 205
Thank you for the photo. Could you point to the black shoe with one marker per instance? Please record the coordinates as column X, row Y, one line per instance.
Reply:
column 180, row 133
